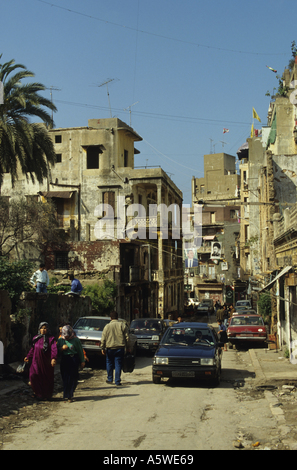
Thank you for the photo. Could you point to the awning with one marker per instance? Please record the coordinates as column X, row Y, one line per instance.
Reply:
column 280, row 274
column 59, row 194
column 243, row 151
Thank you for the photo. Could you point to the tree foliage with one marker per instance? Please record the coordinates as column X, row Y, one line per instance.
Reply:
column 102, row 296
column 26, row 220
column 15, row 277
column 264, row 305
column 23, row 144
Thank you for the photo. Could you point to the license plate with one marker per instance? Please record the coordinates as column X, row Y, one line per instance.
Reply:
column 248, row 335
column 145, row 346
column 183, row 373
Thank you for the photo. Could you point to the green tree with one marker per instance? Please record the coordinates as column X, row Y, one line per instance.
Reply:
column 102, row 296
column 15, row 277
column 264, row 304
column 21, row 142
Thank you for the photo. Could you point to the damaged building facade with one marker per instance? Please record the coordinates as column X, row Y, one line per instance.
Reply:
column 268, row 165
column 218, row 193
column 110, row 215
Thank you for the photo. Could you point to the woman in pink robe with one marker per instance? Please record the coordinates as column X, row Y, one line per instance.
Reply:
column 44, row 355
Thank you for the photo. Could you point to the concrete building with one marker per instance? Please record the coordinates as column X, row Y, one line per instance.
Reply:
column 218, row 193
column 112, row 218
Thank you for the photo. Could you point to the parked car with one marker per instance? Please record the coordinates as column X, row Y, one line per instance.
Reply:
column 148, row 332
column 89, row 331
column 193, row 302
column 190, row 350
column 245, row 311
column 210, row 304
column 204, row 307
column 243, row 303
column 246, row 328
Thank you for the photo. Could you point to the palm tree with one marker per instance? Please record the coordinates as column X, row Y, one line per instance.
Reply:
column 24, row 144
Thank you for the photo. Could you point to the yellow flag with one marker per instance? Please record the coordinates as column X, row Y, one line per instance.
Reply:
column 255, row 115
column 252, row 131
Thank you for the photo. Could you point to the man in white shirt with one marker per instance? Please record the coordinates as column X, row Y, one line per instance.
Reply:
column 40, row 280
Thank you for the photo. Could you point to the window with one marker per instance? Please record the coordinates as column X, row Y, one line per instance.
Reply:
column 212, row 217
column 109, row 200
column 93, row 152
column 61, row 260
column 58, row 139
column 126, row 155
column 58, row 158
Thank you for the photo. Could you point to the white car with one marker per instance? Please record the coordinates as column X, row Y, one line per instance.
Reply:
column 89, row 331
column 193, row 302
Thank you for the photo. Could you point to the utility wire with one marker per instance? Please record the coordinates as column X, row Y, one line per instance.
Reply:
column 158, row 35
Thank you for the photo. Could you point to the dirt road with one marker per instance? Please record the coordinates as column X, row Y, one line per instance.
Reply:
column 175, row 415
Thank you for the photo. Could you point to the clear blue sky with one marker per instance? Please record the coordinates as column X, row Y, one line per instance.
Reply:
column 193, row 67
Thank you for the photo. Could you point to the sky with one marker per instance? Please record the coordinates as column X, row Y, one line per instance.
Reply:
column 186, row 69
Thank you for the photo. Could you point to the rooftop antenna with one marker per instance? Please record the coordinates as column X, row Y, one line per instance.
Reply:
column 53, row 88
column 211, row 141
column 129, row 108
column 223, row 143
column 106, row 83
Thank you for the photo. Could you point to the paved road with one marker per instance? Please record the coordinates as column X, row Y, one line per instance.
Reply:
column 176, row 416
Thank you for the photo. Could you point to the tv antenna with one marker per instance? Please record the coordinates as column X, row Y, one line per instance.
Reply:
column 109, row 80
column 130, row 111
column 211, row 141
column 53, row 88
column 223, row 143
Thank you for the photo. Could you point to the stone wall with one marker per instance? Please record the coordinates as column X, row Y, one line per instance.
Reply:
column 51, row 308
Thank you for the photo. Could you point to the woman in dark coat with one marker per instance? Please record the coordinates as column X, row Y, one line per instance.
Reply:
column 44, row 355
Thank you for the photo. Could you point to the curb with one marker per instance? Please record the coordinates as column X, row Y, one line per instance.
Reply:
column 257, row 366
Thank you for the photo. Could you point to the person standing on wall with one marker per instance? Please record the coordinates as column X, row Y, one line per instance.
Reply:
column 40, row 280
column 115, row 339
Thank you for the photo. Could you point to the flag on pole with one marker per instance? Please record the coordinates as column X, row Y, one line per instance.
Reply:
column 225, row 130
column 255, row 115
column 275, row 71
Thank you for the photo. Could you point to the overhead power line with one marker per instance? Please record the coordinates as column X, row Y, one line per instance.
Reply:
column 206, row 46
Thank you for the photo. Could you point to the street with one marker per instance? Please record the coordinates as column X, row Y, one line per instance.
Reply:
column 173, row 416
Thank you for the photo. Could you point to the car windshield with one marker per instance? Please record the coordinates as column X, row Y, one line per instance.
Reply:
column 189, row 336
column 91, row 324
column 242, row 303
column 246, row 320
column 145, row 325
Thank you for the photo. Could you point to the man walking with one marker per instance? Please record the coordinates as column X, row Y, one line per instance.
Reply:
column 115, row 339
column 40, row 280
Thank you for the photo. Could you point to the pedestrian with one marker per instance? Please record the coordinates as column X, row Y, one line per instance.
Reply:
column 114, row 341
column 222, row 333
column 40, row 279
column 44, row 356
column 76, row 287
column 221, row 313
column 72, row 358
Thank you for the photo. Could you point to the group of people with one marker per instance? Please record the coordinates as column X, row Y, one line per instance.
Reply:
column 45, row 350
column 40, row 280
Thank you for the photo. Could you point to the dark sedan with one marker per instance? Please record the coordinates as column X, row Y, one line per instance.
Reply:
column 149, row 332
column 190, row 350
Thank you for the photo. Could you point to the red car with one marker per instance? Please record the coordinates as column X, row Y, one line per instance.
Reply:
column 246, row 328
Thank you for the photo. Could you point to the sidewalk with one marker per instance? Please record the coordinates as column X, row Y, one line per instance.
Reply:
column 271, row 367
